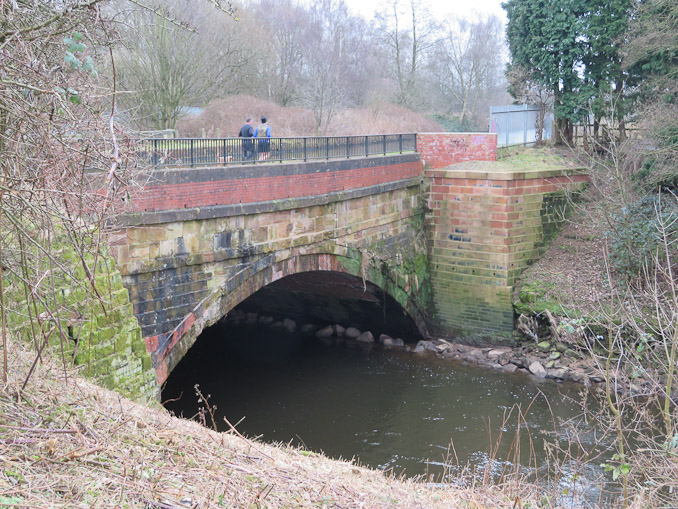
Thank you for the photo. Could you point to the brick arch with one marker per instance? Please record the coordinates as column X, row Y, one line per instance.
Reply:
column 166, row 352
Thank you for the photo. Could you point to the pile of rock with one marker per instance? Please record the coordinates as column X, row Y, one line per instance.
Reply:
column 332, row 332
column 546, row 359
column 238, row 317
column 543, row 360
column 558, row 362
column 328, row 334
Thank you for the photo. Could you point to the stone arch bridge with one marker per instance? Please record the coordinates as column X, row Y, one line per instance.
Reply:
column 444, row 231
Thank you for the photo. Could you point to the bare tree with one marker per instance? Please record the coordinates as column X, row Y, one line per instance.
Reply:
column 405, row 34
column 56, row 121
column 64, row 163
column 467, row 64
column 167, row 66
column 638, row 364
column 328, row 59
column 281, row 45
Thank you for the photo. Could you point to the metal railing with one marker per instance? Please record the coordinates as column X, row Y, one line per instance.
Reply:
column 224, row 151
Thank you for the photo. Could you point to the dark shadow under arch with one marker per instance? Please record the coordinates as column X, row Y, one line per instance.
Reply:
column 258, row 274
column 329, row 297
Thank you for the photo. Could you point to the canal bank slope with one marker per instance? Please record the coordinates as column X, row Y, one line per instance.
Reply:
column 69, row 443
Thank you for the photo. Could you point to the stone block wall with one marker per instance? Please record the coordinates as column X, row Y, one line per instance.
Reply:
column 187, row 267
column 101, row 335
column 487, row 222
column 439, row 150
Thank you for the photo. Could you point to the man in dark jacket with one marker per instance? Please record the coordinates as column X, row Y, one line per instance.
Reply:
column 247, row 132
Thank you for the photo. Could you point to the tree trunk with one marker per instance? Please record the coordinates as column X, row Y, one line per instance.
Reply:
column 619, row 108
column 568, row 131
column 558, row 122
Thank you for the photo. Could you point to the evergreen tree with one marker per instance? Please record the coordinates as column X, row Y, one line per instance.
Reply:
column 605, row 26
column 571, row 47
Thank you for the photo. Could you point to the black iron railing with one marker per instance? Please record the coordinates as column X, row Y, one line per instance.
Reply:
column 225, row 151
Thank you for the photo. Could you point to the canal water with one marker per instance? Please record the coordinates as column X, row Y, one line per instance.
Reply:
column 393, row 410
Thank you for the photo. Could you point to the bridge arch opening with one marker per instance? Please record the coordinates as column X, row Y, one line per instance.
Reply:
column 290, row 317
column 316, row 299
column 380, row 284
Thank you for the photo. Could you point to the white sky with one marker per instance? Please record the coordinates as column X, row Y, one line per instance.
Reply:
column 440, row 9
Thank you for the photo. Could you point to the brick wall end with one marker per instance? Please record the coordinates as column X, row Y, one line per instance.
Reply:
column 439, row 150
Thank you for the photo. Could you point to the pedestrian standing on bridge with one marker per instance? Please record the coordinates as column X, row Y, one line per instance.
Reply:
column 263, row 133
column 246, row 133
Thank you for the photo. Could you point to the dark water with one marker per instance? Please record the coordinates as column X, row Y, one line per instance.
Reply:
column 388, row 409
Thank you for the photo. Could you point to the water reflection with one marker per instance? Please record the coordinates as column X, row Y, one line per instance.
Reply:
column 388, row 409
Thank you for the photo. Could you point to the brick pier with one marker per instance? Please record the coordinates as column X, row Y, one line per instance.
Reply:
column 487, row 222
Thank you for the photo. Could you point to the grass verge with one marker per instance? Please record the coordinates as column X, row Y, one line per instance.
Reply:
column 69, row 443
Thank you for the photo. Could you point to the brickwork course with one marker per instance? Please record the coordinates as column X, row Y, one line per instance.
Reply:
column 439, row 150
column 488, row 221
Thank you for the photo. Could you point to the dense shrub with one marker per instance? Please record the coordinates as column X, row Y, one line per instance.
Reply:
column 453, row 123
column 635, row 237
column 660, row 167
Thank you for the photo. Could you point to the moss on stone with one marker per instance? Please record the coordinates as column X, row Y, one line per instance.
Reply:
column 100, row 335
column 534, row 298
column 524, row 158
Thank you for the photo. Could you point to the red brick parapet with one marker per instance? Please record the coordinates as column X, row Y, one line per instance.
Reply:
column 439, row 150
column 188, row 188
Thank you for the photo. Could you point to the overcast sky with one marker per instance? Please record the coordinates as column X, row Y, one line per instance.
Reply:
column 440, row 9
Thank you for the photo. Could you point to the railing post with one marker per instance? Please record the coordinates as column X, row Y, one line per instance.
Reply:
column 191, row 152
column 224, row 152
column 367, row 147
column 415, row 141
column 327, row 148
column 305, row 154
column 384, row 143
column 400, row 143
column 280, row 149
column 155, row 152
column 348, row 149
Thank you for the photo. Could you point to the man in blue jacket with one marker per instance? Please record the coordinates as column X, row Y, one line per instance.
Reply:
column 263, row 133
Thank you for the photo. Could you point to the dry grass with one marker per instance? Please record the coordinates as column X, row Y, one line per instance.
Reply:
column 572, row 270
column 73, row 444
column 228, row 115
column 382, row 118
